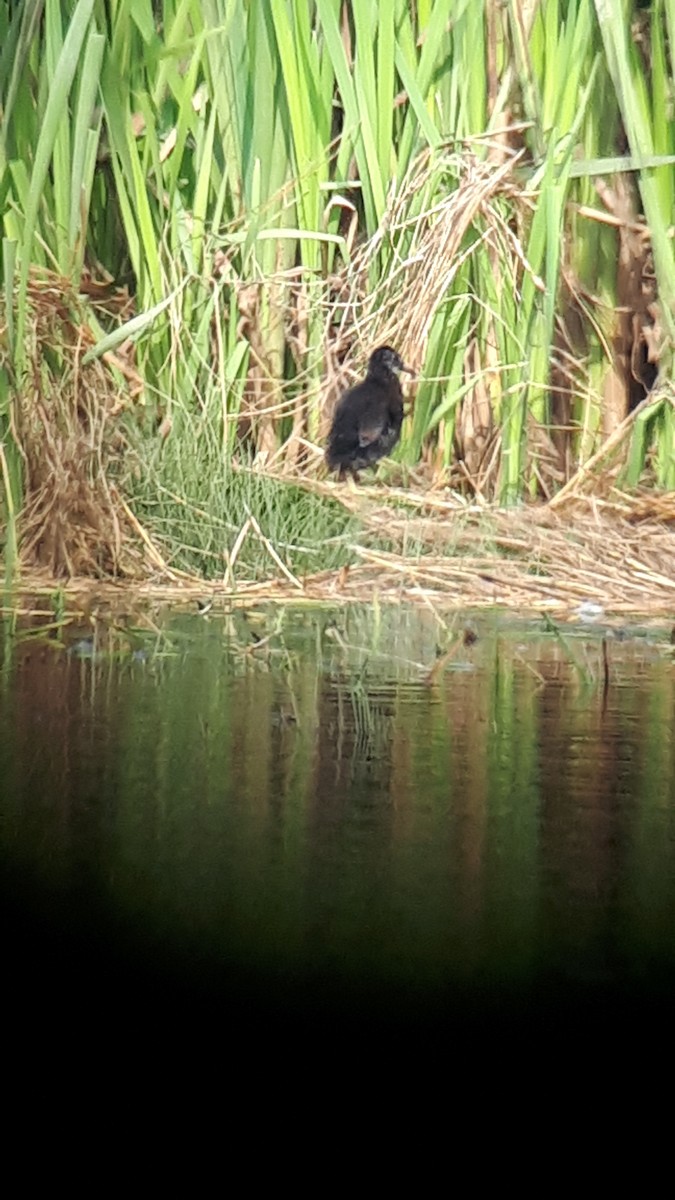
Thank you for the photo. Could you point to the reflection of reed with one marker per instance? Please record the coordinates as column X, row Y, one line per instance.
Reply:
column 364, row 722
column 518, row 803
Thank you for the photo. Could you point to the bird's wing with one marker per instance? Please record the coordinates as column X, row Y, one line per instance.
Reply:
column 370, row 431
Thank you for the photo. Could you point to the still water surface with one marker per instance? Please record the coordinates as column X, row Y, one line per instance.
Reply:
column 319, row 822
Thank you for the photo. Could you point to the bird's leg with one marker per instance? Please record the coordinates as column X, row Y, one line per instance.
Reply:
column 349, row 476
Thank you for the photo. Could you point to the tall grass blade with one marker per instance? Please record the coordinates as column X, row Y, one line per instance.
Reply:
column 55, row 115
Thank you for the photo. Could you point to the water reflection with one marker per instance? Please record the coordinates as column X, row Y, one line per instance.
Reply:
column 325, row 818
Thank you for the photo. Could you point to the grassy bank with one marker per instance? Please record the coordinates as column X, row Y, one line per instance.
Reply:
column 596, row 561
column 212, row 212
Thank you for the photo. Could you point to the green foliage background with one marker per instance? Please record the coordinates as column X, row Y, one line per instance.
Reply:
column 231, row 201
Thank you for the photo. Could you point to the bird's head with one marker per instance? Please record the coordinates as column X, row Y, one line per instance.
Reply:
column 386, row 359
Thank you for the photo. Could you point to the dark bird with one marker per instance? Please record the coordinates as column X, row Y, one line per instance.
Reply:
column 368, row 418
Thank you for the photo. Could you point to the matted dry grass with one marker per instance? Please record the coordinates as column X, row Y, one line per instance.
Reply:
column 617, row 554
column 66, row 425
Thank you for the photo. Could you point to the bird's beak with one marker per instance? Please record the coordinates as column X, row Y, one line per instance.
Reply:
column 408, row 370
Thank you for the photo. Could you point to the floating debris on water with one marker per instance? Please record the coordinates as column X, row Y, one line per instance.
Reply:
column 588, row 610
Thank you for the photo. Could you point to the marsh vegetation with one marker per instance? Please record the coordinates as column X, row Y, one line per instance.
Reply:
column 212, row 212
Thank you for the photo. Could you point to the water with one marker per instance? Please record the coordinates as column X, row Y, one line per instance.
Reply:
column 314, row 815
